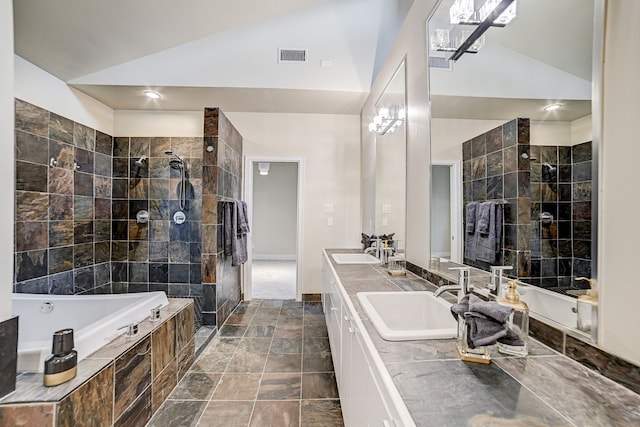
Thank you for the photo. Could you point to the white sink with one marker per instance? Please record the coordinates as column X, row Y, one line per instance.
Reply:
column 403, row 316
column 355, row 259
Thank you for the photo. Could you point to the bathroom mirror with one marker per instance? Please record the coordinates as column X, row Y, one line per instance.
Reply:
column 390, row 178
column 496, row 137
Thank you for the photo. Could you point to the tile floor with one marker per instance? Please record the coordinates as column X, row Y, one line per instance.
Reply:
column 270, row 365
column 271, row 279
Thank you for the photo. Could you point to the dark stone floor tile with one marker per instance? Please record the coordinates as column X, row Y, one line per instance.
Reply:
column 227, row 414
column 232, row 330
column 254, row 345
column 281, row 414
column 247, row 363
column 284, row 363
column 178, row 413
column 319, row 386
column 317, row 362
column 280, row 387
column 237, row 387
column 212, row 362
column 196, row 386
column 260, row 331
column 316, row 331
column 286, row 345
column 321, row 413
column 315, row 345
column 288, row 331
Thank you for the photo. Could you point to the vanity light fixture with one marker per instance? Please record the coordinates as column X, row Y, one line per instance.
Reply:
column 387, row 120
column 492, row 13
column 152, row 94
column 263, row 168
column 553, row 107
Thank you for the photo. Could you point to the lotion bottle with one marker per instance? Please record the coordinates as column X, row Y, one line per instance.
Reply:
column 62, row 365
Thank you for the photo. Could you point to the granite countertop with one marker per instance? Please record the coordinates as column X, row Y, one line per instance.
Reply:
column 545, row 388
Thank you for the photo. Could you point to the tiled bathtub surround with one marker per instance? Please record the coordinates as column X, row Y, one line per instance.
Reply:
column 76, row 228
column 121, row 384
column 8, row 355
column 63, row 204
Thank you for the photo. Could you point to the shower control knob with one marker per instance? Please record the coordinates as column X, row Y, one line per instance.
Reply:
column 179, row 217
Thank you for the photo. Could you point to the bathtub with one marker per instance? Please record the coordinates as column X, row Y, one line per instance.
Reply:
column 550, row 306
column 95, row 319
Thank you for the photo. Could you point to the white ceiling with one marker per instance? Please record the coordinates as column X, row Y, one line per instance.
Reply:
column 201, row 53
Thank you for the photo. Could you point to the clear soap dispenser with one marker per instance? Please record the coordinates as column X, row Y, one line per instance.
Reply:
column 587, row 307
column 517, row 340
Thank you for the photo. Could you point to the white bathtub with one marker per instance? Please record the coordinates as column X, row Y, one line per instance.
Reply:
column 550, row 306
column 95, row 320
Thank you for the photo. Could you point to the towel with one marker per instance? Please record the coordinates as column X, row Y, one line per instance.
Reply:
column 470, row 217
column 484, row 217
column 235, row 230
column 485, row 322
column 488, row 244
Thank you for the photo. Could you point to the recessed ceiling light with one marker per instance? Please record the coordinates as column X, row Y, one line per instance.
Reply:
column 151, row 94
column 552, row 107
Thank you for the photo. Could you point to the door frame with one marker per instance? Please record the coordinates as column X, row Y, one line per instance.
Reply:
column 455, row 194
column 249, row 161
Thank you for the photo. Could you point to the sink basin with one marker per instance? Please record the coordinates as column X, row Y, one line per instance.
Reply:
column 355, row 259
column 403, row 316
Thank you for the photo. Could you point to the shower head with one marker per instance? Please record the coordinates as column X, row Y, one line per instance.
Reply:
column 176, row 161
column 549, row 167
column 140, row 161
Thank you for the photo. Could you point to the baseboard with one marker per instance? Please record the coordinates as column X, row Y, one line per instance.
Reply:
column 311, row 297
column 274, row 257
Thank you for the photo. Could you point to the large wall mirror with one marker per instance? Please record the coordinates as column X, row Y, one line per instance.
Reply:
column 512, row 134
column 391, row 160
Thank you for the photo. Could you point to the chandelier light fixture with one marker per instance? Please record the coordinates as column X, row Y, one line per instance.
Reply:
column 492, row 13
column 387, row 120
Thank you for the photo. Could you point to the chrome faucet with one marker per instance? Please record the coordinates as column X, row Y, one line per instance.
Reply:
column 463, row 287
column 497, row 272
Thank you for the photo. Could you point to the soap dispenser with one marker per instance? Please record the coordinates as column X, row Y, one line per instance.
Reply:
column 62, row 365
column 587, row 307
column 517, row 340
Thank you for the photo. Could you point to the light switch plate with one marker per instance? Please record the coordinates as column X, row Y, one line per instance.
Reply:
column 386, row 209
column 328, row 208
column 329, row 220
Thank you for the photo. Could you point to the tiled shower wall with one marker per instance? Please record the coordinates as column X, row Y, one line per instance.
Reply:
column 63, row 204
column 494, row 169
column 221, row 182
column 561, row 247
column 158, row 255
column 531, row 181
column 76, row 229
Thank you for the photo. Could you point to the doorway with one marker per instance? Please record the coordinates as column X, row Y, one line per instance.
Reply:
column 272, row 192
column 446, row 237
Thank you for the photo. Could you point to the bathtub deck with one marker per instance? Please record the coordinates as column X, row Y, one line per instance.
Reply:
column 29, row 388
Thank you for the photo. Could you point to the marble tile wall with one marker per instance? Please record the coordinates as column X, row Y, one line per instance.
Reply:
column 221, row 182
column 62, row 204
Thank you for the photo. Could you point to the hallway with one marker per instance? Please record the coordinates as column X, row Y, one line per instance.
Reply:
column 273, row 279
column 270, row 364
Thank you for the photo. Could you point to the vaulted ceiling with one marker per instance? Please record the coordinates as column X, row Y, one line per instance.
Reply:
column 199, row 53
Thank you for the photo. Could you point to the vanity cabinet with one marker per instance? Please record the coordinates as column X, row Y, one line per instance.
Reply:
column 364, row 399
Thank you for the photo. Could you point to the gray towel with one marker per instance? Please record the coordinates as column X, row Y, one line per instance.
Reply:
column 235, row 240
column 243, row 218
column 470, row 217
column 488, row 244
column 484, row 217
column 487, row 325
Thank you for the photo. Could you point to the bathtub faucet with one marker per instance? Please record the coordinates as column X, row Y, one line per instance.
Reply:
column 131, row 330
column 155, row 314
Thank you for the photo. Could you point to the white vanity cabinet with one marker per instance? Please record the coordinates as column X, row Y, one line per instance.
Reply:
column 364, row 396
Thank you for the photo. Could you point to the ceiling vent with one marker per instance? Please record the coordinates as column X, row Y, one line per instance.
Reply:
column 292, row 55
column 440, row 62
